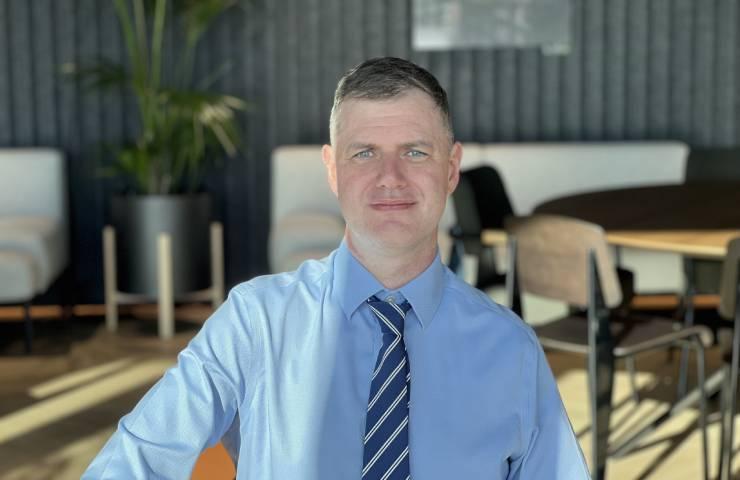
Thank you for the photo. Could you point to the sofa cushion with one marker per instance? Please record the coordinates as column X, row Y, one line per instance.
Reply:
column 19, row 279
column 42, row 238
column 33, row 182
column 299, row 182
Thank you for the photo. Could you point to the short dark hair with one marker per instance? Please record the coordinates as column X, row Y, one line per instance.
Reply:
column 384, row 78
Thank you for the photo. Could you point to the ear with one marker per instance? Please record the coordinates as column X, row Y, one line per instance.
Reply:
column 327, row 155
column 454, row 167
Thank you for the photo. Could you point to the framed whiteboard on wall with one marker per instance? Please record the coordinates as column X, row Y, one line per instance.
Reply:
column 464, row 24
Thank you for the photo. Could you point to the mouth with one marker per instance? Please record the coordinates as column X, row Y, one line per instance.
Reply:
column 392, row 205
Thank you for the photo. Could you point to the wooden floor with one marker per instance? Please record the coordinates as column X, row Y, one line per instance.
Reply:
column 58, row 407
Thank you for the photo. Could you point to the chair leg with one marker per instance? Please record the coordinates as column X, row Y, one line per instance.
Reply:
column 700, row 377
column 601, row 383
column 703, row 387
column 728, row 418
column 28, row 326
column 630, row 364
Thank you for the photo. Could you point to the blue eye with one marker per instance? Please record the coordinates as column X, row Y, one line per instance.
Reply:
column 363, row 154
column 416, row 154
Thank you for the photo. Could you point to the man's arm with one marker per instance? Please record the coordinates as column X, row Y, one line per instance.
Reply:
column 189, row 409
column 552, row 450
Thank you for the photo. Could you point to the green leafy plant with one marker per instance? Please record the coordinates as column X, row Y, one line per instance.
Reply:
column 181, row 126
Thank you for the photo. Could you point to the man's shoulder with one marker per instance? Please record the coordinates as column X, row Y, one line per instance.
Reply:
column 477, row 304
column 311, row 274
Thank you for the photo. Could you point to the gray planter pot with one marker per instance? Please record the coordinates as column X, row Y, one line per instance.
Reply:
column 139, row 219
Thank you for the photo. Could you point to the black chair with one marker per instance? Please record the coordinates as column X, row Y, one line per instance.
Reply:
column 710, row 165
column 480, row 202
column 703, row 276
column 713, row 165
column 569, row 260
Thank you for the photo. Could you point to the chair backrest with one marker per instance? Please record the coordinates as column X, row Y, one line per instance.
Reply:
column 713, row 165
column 728, row 284
column 480, row 202
column 552, row 259
column 489, row 192
column 33, row 181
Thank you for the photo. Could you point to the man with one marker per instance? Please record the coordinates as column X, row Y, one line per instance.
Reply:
column 376, row 362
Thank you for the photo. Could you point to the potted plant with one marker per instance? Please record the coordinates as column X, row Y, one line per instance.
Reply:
column 181, row 130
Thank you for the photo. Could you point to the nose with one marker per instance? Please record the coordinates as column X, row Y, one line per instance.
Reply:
column 391, row 174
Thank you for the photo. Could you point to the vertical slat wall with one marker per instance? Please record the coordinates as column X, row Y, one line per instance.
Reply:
column 638, row 69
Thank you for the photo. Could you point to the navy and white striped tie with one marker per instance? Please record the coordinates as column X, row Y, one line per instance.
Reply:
column 386, row 454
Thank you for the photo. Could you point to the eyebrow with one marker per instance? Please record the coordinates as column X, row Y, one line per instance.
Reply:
column 371, row 146
column 418, row 143
column 415, row 143
column 360, row 146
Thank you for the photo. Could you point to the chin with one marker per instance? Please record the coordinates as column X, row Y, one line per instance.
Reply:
column 397, row 238
column 390, row 234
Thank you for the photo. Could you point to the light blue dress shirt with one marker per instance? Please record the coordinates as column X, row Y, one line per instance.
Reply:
column 292, row 355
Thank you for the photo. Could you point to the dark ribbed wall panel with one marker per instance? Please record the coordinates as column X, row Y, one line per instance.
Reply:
column 6, row 107
column 638, row 69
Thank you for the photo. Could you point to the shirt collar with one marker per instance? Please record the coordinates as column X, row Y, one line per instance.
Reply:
column 354, row 284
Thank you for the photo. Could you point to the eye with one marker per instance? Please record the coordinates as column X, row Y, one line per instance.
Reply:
column 364, row 154
column 416, row 154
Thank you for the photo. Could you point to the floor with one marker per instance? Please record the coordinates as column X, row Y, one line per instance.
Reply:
column 58, row 406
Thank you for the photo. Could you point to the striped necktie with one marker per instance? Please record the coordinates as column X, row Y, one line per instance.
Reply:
column 386, row 454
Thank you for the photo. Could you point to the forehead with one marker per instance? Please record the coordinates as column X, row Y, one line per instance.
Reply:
column 412, row 112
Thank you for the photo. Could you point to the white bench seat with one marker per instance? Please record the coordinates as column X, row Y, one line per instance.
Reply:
column 18, row 277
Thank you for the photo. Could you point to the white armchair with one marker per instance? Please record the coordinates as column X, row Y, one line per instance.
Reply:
column 305, row 220
column 34, row 248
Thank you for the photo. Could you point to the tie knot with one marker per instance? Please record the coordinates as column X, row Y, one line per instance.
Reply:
column 390, row 315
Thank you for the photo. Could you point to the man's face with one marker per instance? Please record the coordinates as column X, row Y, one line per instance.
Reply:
column 392, row 168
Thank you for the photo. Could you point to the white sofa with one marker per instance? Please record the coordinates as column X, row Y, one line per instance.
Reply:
column 306, row 221
column 34, row 247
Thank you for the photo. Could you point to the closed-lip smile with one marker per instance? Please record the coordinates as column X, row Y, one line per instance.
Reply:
column 392, row 204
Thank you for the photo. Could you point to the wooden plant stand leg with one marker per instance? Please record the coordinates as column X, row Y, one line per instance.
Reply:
column 217, row 264
column 110, row 278
column 165, row 290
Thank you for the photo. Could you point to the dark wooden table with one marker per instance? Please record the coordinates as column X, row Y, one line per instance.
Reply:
column 692, row 219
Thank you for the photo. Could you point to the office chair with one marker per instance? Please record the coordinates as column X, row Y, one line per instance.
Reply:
column 480, row 202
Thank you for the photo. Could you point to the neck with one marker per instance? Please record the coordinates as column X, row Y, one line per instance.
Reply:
column 393, row 268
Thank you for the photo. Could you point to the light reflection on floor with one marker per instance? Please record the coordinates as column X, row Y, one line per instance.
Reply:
column 50, row 410
column 105, row 388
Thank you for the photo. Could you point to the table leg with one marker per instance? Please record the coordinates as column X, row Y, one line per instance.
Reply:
column 688, row 320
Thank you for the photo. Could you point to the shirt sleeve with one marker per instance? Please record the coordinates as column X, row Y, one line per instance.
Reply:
column 551, row 448
column 189, row 408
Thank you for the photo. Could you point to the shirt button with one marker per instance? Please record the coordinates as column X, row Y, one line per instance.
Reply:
column 390, row 299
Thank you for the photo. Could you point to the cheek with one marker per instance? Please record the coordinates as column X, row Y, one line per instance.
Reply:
column 434, row 185
column 349, row 186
